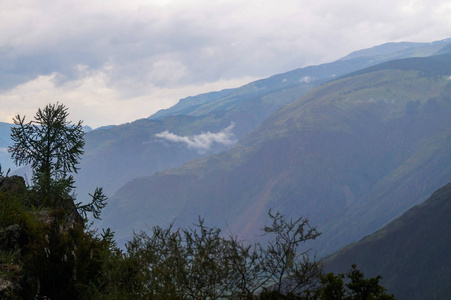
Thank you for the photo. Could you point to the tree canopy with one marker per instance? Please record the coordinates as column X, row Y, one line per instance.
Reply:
column 51, row 144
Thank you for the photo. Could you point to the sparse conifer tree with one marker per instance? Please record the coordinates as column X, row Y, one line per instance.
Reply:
column 52, row 145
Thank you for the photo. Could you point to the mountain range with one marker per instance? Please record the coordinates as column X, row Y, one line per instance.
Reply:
column 117, row 155
column 351, row 155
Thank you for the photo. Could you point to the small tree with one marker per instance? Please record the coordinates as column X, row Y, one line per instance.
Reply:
column 98, row 203
column 51, row 144
column 289, row 270
column 352, row 286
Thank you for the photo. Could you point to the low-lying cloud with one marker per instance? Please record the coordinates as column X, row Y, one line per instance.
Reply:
column 306, row 79
column 204, row 141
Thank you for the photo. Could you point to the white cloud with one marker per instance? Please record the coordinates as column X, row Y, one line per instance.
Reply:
column 202, row 142
column 306, row 79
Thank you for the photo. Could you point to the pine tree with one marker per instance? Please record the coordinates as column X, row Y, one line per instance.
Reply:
column 52, row 145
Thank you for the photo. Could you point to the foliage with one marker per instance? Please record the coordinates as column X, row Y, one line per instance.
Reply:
column 352, row 286
column 199, row 263
column 2, row 173
column 51, row 144
column 288, row 269
column 66, row 263
column 98, row 202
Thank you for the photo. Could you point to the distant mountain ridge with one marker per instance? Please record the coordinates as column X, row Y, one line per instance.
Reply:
column 189, row 103
column 411, row 253
column 436, row 65
column 321, row 73
column 401, row 50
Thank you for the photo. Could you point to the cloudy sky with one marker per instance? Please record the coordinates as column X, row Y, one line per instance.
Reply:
column 115, row 61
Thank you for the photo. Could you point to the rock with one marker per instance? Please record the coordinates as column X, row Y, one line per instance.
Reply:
column 12, row 184
column 6, row 287
column 10, row 281
column 9, row 237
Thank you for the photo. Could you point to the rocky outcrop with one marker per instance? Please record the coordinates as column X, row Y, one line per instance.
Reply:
column 9, row 237
column 28, row 225
column 12, row 184
column 10, row 269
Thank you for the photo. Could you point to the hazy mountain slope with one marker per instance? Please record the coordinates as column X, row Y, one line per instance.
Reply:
column 190, row 102
column 5, row 141
column 446, row 49
column 436, row 65
column 411, row 253
column 335, row 152
column 116, row 155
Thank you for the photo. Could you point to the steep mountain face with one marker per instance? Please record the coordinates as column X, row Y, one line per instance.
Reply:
column 411, row 253
column 350, row 155
column 114, row 156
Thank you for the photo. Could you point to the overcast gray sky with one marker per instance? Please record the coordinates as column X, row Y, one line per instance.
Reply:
column 115, row 61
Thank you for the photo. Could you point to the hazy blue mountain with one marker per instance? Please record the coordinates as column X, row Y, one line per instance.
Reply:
column 190, row 102
column 350, row 155
column 444, row 50
column 87, row 129
column 411, row 253
column 116, row 155
column 5, row 141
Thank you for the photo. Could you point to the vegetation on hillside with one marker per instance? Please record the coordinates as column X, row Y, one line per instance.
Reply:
column 352, row 285
column 47, row 248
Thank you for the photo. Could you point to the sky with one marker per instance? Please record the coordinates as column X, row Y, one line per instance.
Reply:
column 115, row 61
